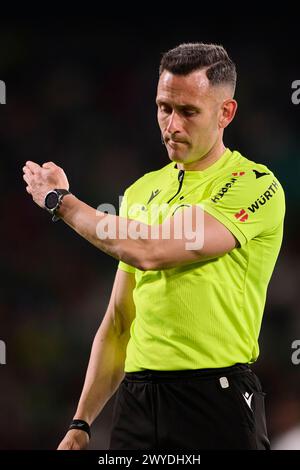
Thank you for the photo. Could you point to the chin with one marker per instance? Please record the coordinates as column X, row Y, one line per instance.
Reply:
column 177, row 157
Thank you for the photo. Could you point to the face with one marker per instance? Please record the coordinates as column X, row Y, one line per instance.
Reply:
column 192, row 114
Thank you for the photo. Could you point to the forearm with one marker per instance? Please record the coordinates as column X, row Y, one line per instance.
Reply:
column 197, row 236
column 177, row 241
column 105, row 372
column 109, row 233
column 137, row 244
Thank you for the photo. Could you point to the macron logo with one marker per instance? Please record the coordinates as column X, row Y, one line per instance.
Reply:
column 248, row 399
column 153, row 195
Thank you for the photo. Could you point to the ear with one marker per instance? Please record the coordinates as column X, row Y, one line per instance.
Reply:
column 227, row 114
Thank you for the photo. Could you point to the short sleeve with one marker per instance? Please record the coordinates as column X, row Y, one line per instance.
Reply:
column 248, row 203
column 124, row 213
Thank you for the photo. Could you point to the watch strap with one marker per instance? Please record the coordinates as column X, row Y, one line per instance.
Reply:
column 61, row 193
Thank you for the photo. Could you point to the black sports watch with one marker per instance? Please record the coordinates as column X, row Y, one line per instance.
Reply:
column 53, row 201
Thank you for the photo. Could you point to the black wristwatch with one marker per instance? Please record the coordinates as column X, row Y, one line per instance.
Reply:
column 53, row 200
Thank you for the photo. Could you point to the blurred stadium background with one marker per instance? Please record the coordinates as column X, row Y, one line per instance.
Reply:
column 83, row 95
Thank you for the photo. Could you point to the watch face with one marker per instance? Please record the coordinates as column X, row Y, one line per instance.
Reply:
column 51, row 200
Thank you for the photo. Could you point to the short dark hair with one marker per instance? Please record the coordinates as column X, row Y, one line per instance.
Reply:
column 187, row 58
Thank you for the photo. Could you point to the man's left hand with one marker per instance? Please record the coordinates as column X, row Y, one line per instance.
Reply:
column 42, row 179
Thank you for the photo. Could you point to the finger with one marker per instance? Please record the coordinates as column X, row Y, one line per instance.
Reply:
column 34, row 167
column 27, row 178
column 28, row 189
column 27, row 171
column 49, row 165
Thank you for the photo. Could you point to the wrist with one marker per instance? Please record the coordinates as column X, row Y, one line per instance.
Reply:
column 81, row 425
column 67, row 206
column 53, row 200
column 83, row 417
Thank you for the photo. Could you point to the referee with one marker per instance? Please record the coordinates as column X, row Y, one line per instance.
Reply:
column 197, row 242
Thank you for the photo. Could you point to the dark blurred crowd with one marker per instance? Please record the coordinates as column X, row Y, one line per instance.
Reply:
column 85, row 99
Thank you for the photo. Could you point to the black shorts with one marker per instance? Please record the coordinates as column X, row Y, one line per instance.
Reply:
column 190, row 409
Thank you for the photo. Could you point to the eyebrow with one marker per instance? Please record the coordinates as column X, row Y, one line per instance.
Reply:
column 188, row 106
column 179, row 106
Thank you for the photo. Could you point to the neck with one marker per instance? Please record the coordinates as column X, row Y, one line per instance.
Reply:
column 207, row 160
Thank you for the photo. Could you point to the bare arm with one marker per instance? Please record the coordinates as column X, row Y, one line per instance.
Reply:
column 106, row 365
column 201, row 236
column 132, row 241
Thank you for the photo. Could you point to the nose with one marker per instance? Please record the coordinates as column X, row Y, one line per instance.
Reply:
column 174, row 123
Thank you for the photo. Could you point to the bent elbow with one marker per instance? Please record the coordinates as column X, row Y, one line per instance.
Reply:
column 152, row 261
column 147, row 257
column 149, row 261
column 147, row 265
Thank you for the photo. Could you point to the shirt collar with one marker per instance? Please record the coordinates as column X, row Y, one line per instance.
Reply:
column 199, row 174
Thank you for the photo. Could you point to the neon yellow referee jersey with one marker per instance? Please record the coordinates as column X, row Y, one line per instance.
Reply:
column 206, row 314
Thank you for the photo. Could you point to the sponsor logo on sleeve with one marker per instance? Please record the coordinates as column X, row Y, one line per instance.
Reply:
column 243, row 215
column 218, row 196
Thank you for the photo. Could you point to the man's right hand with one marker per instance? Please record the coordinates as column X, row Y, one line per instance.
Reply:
column 75, row 439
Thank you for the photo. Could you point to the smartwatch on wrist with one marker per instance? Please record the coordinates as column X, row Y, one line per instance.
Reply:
column 53, row 201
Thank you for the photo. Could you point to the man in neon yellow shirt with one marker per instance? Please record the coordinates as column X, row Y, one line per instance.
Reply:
column 197, row 242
